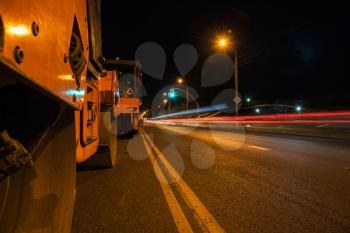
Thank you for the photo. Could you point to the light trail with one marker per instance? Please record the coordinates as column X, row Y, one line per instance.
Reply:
column 298, row 118
column 192, row 111
column 283, row 116
column 257, row 122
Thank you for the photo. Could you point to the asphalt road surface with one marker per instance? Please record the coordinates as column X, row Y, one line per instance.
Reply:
column 182, row 179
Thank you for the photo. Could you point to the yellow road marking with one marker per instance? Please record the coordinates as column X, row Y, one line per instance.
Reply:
column 179, row 218
column 258, row 147
column 193, row 202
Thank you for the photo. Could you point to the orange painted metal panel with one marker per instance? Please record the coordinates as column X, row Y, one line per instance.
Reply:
column 91, row 114
column 108, row 86
column 83, row 152
column 128, row 105
column 87, row 125
column 43, row 62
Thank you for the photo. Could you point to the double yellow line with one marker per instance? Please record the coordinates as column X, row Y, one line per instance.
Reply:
column 205, row 220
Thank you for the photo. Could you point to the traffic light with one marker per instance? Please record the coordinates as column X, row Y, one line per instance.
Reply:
column 171, row 93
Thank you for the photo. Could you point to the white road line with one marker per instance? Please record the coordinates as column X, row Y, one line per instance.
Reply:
column 321, row 126
column 191, row 199
column 179, row 217
column 258, row 147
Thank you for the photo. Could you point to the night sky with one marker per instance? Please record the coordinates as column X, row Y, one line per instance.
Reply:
column 289, row 52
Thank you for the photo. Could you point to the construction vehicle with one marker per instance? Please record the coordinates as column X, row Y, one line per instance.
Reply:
column 58, row 108
column 130, row 90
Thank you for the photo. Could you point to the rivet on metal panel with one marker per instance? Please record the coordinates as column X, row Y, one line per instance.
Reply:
column 35, row 28
column 19, row 54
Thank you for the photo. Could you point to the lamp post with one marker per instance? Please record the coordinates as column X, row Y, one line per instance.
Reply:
column 223, row 42
column 236, row 80
column 181, row 81
column 165, row 101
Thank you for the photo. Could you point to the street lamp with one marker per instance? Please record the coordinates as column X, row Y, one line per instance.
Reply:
column 257, row 110
column 223, row 42
column 298, row 108
column 181, row 81
column 165, row 101
column 248, row 100
column 164, row 94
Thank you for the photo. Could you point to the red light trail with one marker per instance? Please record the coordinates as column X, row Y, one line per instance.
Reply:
column 295, row 118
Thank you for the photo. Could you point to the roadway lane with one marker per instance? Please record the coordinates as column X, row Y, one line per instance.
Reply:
column 126, row 198
column 247, row 182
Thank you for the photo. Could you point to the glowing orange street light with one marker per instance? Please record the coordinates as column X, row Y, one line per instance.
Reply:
column 223, row 43
column 165, row 101
column 180, row 80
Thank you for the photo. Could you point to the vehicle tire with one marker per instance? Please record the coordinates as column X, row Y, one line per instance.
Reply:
column 136, row 131
column 41, row 198
column 108, row 137
column 129, row 135
column 125, row 125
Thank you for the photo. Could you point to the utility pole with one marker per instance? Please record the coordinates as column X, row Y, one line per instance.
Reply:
column 169, row 103
column 236, row 81
column 186, row 99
